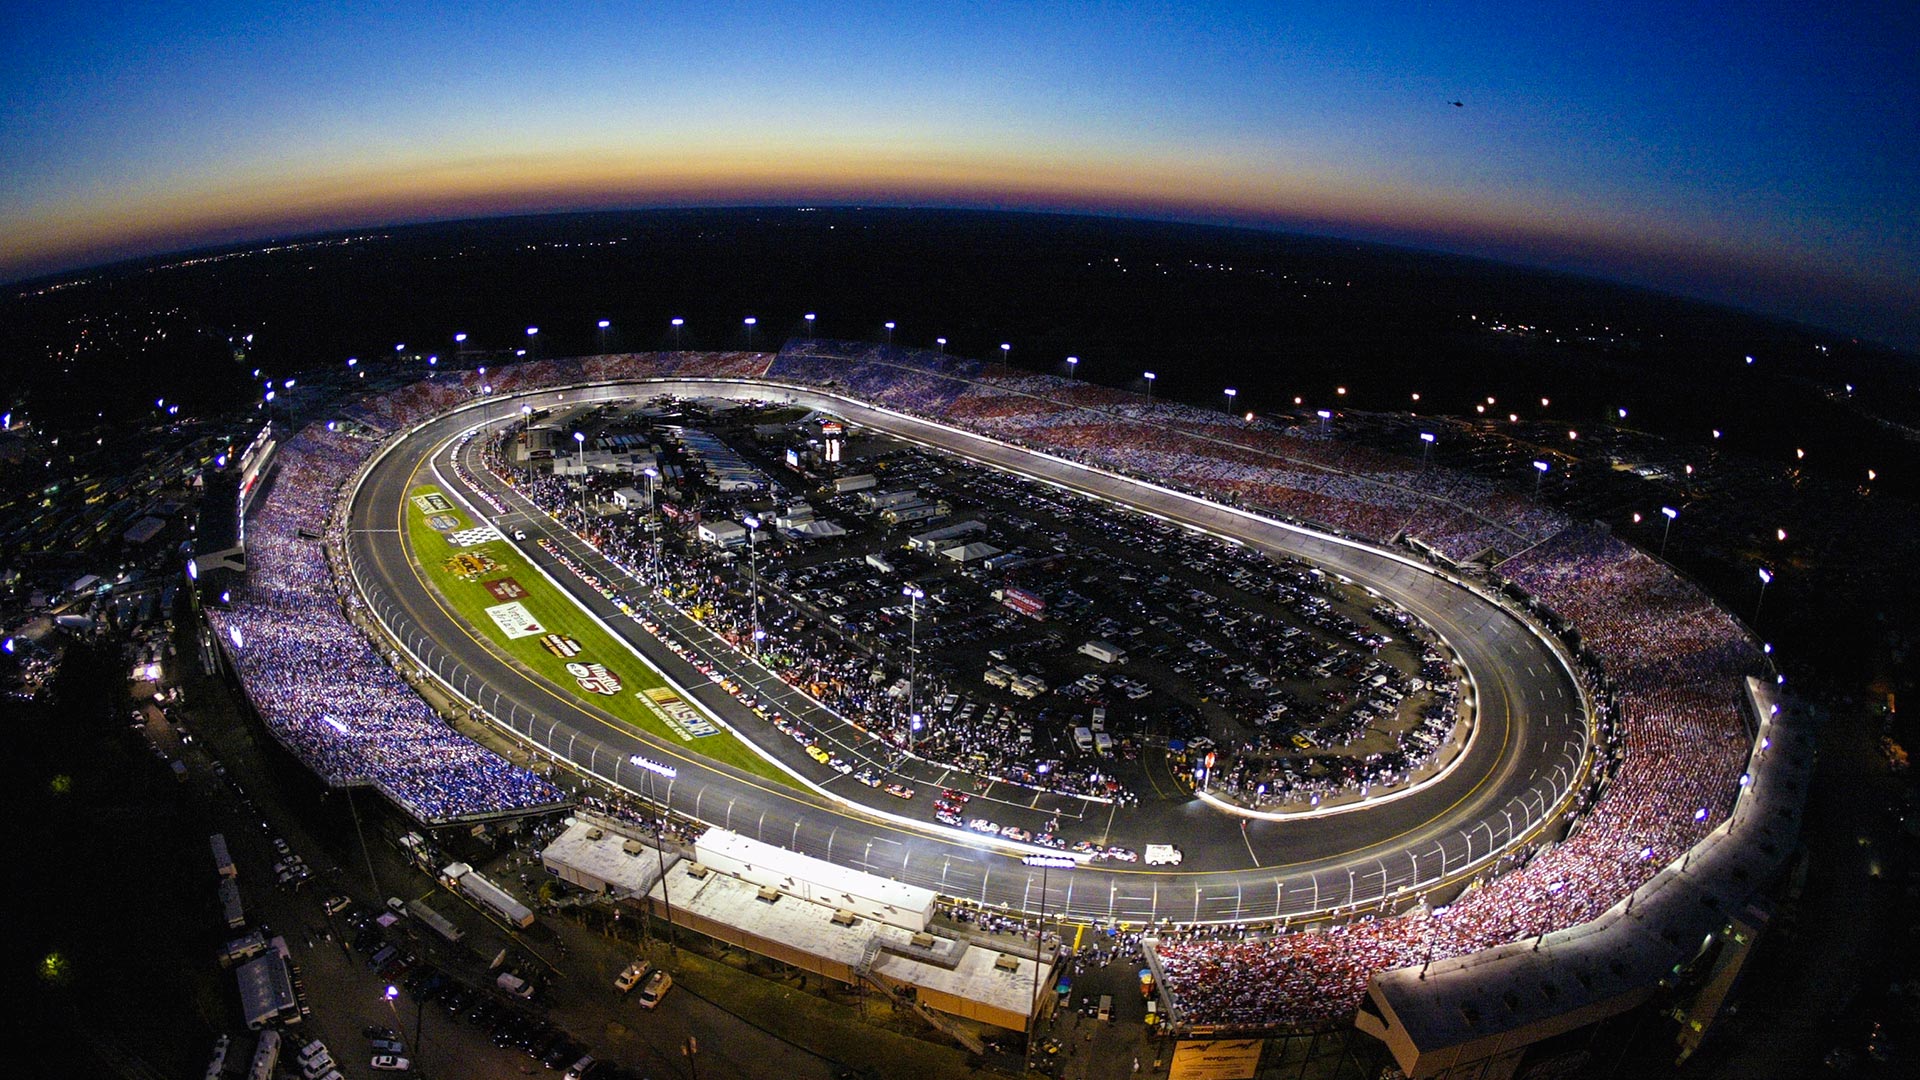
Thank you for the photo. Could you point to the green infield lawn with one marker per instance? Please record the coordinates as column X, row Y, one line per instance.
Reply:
column 547, row 632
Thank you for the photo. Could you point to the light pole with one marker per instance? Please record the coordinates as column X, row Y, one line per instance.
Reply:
column 1326, row 417
column 750, row 322
column 580, row 462
column 533, row 338
column 652, row 473
column 526, row 436
column 1073, row 365
column 1045, row 863
column 1231, row 394
column 1426, row 447
column 942, row 342
column 677, row 324
column 753, row 571
column 889, row 326
column 809, row 318
column 1766, row 579
column 486, row 404
column 1006, row 351
column 914, row 595
column 419, row 1017
column 1539, row 474
column 1670, row 513
column 1149, row 376
column 660, row 850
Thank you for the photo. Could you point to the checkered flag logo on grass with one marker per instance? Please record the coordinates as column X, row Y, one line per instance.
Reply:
column 472, row 537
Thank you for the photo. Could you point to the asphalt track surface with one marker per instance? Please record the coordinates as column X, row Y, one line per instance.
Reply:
column 1527, row 756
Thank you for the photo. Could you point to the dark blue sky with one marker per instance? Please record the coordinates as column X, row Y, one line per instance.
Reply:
column 1763, row 154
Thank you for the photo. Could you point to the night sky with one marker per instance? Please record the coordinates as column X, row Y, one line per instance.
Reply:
column 1755, row 153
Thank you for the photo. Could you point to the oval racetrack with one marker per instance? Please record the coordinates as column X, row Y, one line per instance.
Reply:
column 1528, row 754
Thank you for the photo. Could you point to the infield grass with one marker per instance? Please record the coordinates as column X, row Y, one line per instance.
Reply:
column 495, row 575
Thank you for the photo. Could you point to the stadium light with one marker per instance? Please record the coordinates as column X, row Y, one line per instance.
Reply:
column 1766, row 579
column 809, row 316
column 942, row 342
column 1427, row 437
column 889, row 325
column 751, row 321
column 1231, row 394
column 458, row 338
column 1073, row 364
column 1669, row 513
column 1006, row 348
column 402, row 347
column 1150, row 377
column 604, row 323
column 533, row 331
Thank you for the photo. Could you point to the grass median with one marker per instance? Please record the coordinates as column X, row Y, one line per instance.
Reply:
column 505, row 600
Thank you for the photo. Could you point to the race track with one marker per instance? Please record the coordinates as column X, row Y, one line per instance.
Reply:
column 1529, row 752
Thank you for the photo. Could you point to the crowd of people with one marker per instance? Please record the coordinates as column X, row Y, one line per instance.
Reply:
column 317, row 682
column 1676, row 742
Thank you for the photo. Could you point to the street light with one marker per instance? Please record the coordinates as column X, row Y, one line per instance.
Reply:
column 1149, row 376
column 1766, row 579
column 1670, row 513
column 753, row 569
column 419, row 1014
column 914, row 595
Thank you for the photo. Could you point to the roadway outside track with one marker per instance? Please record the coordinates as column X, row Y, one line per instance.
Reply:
column 1528, row 756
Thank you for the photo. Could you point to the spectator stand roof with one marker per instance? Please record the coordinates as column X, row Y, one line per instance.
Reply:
column 867, row 895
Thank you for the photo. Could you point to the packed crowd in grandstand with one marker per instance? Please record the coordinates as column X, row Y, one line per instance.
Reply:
column 1674, row 731
column 321, row 688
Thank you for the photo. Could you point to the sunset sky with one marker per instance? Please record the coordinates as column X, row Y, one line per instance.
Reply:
column 1761, row 154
